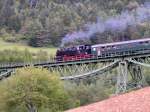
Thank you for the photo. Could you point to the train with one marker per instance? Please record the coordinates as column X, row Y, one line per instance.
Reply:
column 108, row 50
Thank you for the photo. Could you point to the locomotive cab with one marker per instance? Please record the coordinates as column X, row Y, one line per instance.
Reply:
column 84, row 49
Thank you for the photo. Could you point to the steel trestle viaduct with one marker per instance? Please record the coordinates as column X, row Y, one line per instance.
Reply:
column 82, row 69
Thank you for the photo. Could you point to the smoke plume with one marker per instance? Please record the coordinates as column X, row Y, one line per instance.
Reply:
column 118, row 23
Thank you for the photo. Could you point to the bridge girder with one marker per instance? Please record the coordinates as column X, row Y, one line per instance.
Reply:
column 85, row 70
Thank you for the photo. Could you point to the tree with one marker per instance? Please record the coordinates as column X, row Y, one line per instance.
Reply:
column 84, row 94
column 56, row 18
column 32, row 90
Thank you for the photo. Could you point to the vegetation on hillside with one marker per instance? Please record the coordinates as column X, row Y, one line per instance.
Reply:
column 46, row 22
column 16, row 53
column 33, row 90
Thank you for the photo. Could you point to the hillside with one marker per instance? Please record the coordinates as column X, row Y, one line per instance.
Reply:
column 47, row 23
column 135, row 101
column 21, row 47
column 18, row 52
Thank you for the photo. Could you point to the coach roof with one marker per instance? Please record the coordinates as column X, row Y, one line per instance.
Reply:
column 120, row 43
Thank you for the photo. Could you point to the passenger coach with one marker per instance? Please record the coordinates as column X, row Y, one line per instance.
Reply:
column 124, row 48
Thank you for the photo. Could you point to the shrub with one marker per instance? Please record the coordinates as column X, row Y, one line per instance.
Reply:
column 32, row 90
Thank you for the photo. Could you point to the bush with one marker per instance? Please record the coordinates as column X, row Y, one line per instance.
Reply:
column 84, row 94
column 32, row 90
column 26, row 56
column 148, row 79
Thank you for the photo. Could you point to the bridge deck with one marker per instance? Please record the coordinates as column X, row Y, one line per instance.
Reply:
column 69, row 63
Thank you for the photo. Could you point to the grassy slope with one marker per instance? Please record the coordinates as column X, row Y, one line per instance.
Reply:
column 5, row 45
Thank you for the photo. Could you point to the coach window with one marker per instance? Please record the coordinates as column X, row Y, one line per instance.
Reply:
column 141, row 42
column 108, row 47
column 146, row 42
column 103, row 48
column 114, row 47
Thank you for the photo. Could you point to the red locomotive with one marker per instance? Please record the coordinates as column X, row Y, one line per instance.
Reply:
column 74, row 53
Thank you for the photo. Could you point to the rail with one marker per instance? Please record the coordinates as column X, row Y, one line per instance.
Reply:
column 92, row 73
column 71, row 62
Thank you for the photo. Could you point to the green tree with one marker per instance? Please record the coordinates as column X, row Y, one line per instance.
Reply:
column 32, row 90
column 84, row 94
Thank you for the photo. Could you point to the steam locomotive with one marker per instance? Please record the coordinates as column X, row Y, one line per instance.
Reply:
column 108, row 50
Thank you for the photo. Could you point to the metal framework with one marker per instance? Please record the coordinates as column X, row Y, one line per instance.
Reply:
column 92, row 73
column 122, row 77
column 84, row 69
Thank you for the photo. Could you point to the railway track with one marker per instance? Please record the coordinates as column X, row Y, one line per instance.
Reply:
column 77, row 62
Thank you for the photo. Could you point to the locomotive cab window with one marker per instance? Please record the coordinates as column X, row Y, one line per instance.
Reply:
column 81, row 47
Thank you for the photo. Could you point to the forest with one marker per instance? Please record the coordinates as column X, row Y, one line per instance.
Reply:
column 50, row 23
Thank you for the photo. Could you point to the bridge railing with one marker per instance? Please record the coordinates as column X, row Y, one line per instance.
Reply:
column 11, row 64
column 51, row 60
